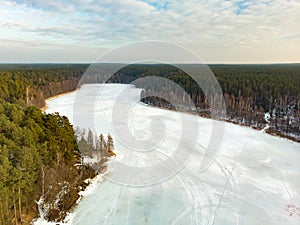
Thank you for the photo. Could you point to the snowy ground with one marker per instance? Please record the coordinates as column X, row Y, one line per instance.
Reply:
column 255, row 178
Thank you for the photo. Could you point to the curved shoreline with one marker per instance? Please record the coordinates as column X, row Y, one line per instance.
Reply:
column 237, row 151
column 91, row 185
column 44, row 108
column 267, row 131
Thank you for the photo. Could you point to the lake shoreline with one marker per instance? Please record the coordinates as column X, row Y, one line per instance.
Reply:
column 87, row 187
column 267, row 131
column 44, row 108
column 251, row 158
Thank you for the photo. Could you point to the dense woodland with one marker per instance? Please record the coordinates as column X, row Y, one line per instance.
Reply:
column 31, row 84
column 42, row 167
column 255, row 95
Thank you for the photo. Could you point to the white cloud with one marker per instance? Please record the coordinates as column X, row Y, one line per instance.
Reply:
column 216, row 30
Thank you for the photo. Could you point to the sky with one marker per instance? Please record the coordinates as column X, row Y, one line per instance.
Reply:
column 218, row 31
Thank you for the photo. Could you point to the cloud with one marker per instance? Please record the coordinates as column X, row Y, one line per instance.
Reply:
column 216, row 30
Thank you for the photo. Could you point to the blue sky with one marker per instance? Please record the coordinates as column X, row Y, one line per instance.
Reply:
column 238, row 31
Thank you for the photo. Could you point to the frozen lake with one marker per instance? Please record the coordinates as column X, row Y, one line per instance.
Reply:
column 254, row 179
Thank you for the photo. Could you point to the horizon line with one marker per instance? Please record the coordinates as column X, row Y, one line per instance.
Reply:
column 208, row 63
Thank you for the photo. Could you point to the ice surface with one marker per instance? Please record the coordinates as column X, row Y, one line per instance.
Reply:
column 255, row 178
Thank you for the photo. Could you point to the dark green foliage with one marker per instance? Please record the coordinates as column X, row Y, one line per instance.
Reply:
column 32, row 84
column 262, row 83
column 249, row 92
column 29, row 140
column 39, row 155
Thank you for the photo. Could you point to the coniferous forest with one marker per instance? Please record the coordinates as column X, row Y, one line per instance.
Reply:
column 39, row 154
column 41, row 167
column 260, row 96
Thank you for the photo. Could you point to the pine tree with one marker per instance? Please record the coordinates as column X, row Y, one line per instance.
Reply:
column 110, row 146
column 90, row 139
column 102, row 146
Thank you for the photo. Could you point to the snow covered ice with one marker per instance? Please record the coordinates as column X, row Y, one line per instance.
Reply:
column 254, row 179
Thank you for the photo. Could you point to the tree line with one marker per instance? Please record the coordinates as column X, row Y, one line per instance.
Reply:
column 250, row 91
column 31, row 85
